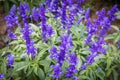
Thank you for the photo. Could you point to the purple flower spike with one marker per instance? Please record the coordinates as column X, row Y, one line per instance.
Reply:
column 1, row 76
column 57, row 71
column 111, row 13
column 11, row 18
column 30, row 49
column 72, row 60
column 23, row 10
column 47, row 30
column 10, row 60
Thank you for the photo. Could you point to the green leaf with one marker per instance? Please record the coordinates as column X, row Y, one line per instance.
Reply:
column 3, row 67
column 83, row 77
column 109, row 62
column 30, row 70
column 41, row 74
column 46, row 64
column 110, row 36
column 21, row 65
column 6, row 6
column 36, row 70
column 115, row 75
column 115, row 27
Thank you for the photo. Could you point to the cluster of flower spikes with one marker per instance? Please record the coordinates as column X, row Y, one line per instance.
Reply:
column 40, row 14
column 98, row 30
column 63, row 53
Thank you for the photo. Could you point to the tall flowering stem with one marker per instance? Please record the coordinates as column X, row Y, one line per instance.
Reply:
column 30, row 49
column 47, row 30
column 11, row 20
column 23, row 12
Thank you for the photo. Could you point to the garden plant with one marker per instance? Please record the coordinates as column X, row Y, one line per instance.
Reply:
column 57, row 40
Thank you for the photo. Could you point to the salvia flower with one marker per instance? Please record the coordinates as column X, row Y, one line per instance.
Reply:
column 87, row 14
column 10, row 60
column 70, row 71
column 72, row 60
column 23, row 10
column 1, row 76
column 48, row 3
column 11, row 18
column 11, row 35
column 74, row 78
column 98, row 30
column 54, row 54
column 60, row 56
column 118, row 44
column 30, row 49
column 83, row 67
column 111, row 13
column 64, row 18
column 47, row 30
column 54, row 8
column 66, row 45
column 57, row 71
column 35, row 14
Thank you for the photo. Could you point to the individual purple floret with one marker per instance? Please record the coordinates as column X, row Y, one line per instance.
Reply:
column 87, row 14
column 83, row 67
column 90, row 58
column 35, row 14
column 11, row 35
column 1, row 76
column 10, row 60
column 11, row 18
column 57, row 71
column 118, row 44
column 74, row 78
column 48, row 3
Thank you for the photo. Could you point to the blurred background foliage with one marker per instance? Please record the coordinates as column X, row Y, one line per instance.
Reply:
column 7, row 4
